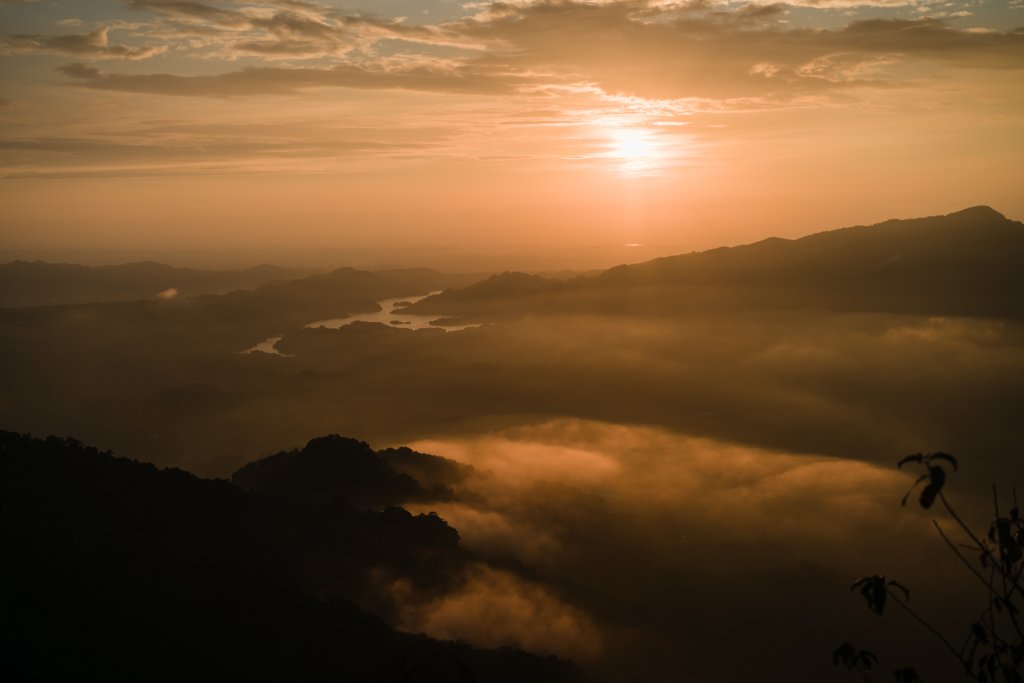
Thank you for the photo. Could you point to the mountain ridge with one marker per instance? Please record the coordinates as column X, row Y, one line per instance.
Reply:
column 885, row 267
column 42, row 283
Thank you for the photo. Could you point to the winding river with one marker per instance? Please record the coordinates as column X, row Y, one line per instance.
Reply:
column 390, row 314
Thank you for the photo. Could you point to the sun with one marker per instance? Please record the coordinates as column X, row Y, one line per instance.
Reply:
column 636, row 150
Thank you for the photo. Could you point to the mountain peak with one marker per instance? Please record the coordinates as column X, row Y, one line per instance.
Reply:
column 978, row 212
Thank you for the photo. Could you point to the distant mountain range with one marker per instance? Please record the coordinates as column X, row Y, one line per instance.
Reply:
column 232, row 321
column 24, row 283
column 965, row 263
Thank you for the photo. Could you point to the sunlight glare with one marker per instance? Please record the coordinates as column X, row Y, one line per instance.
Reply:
column 636, row 150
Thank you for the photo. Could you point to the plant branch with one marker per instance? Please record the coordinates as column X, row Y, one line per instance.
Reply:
column 963, row 559
column 921, row 620
column 978, row 542
column 963, row 525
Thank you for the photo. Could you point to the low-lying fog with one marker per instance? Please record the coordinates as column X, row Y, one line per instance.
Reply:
column 653, row 556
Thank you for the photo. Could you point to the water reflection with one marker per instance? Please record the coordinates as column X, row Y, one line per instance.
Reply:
column 268, row 345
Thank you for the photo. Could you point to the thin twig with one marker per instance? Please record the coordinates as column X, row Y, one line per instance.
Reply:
column 921, row 620
column 991, row 613
column 960, row 521
column 1010, row 610
column 973, row 537
column 963, row 559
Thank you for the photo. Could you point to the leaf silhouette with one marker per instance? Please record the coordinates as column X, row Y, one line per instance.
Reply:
column 872, row 589
column 906, row 495
column 848, row 656
column 935, row 475
column 916, row 457
column 936, row 480
column 907, row 675
column 945, row 457
column 844, row 655
column 865, row 660
column 928, row 495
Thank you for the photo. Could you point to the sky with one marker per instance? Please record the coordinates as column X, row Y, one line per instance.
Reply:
column 547, row 124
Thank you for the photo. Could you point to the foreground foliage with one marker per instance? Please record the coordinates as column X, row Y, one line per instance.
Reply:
column 992, row 648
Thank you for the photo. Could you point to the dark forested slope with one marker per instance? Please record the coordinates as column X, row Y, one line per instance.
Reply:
column 117, row 570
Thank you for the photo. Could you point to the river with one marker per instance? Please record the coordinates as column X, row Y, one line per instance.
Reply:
column 390, row 314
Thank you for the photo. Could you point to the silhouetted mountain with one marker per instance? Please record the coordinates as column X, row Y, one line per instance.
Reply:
column 508, row 283
column 498, row 290
column 116, row 571
column 428, row 470
column 965, row 263
column 332, row 466
column 37, row 283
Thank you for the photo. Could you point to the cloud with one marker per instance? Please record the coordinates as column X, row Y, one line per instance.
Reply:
column 494, row 608
column 192, row 10
column 670, row 7
column 591, row 66
column 94, row 44
column 697, row 53
column 428, row 75
column 167, row 294
column 671, row 476
column 279, row 30
column 170, row 148
column 79, row 70
column 652, row 50
column 934, row 38
column 686, row 547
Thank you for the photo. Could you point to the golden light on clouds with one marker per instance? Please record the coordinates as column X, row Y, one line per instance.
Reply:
column 432, row 118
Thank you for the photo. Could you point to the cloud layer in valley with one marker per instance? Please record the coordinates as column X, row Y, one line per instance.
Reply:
column 680, row 549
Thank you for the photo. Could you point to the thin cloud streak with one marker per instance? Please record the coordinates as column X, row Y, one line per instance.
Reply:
column 94, row 45
column 427, row 75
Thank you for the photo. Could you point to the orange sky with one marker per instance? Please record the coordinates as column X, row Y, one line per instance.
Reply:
column 151, row 124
